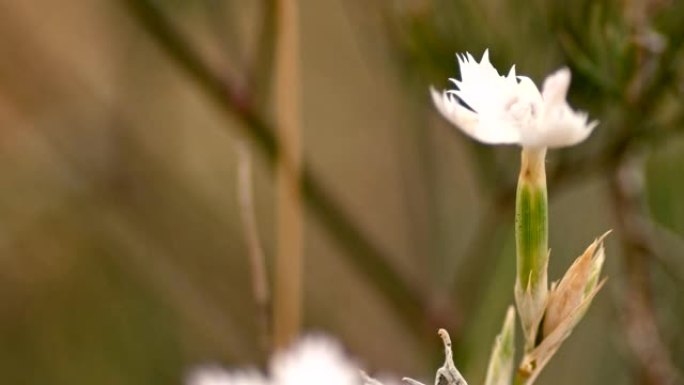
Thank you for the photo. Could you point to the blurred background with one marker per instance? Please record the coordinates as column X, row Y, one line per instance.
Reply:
column 124, row 253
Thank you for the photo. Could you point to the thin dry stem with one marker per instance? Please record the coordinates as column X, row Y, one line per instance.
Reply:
column 288, row 280
column 257, row 259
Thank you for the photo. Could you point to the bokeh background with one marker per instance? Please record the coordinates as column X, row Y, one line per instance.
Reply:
column 123, row 258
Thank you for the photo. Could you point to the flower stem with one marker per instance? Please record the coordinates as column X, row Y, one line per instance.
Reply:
column 288, row 265
column 532, row 219
column 531, row 234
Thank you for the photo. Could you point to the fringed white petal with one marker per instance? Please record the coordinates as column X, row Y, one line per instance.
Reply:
column 495, row 109
column 555, row 88
column 483, row 128
column 565, row 127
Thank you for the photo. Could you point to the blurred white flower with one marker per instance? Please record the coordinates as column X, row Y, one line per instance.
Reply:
column 214, row 375
column 496, row 109
column 313, row 360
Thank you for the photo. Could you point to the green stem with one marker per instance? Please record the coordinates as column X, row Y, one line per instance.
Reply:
column 531, row 230
column 531, row 235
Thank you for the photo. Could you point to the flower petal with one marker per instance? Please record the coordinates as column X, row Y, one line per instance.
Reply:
column 451, row 109
column 484, row 128
column 510, row 109
column 562, row 127
column 555, row 88
column 527, row 90
column 481, row 87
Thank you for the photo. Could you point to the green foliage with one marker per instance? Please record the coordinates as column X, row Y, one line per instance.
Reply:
column 665, row 185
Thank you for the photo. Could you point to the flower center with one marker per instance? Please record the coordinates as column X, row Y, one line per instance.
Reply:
column 521, row 111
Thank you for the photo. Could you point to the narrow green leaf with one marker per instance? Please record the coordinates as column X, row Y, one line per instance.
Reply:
column 500, row 368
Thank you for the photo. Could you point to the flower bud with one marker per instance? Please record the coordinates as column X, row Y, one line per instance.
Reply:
column 578, row 283
column 534, row 361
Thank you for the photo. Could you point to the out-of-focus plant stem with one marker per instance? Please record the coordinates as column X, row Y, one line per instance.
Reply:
column 257, row 259
column 288, row 264
column 364, row 255
column 641, row 326
column 654, row 70
column 261, row 68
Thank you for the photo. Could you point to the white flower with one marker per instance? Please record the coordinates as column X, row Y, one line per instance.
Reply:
column 496, row 109
column 214, row 375
column 311, row 361
column 314, row 361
